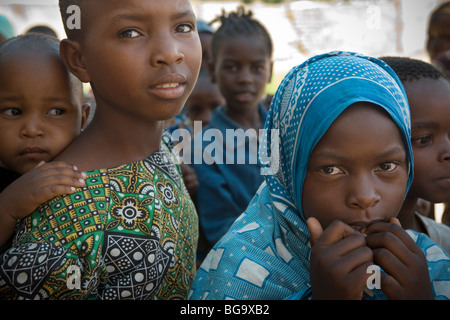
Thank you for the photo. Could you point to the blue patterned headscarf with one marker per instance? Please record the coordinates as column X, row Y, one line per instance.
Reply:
column 265, row 254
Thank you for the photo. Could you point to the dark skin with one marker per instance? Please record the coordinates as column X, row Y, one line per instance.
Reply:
column 438, row 35
column 340, row 257
column 37, row 122
column 137, row 84
column 351, row 197
column 430, row 132
column 242, row 69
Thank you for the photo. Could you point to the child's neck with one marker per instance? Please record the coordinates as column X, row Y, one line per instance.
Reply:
column 249, row 118
column 106, row 144
column 408, row 217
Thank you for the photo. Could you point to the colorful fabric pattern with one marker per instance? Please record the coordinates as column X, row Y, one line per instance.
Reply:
column 265, row 254
column 131, row 233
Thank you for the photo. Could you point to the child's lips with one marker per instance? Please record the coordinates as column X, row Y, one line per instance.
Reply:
column 169, row 87
column 362, row 226
column 33, row 153
column 169, row 90
column 244, row 96
column 361, row 229
column 443, row 182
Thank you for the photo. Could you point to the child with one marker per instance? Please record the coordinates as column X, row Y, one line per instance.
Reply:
column 438, row 33
column 181, row 120
column 203, row 101
column 38, row 119
column 131, row 232
column 241, row 66
column 345, row 165
column 206, row 33
column 429, row 100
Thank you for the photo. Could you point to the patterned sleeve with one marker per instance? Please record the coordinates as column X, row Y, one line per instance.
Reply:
column 55, row 253
column 438, row 265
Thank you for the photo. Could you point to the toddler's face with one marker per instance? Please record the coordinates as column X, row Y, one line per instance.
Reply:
column 358, row 172
column 40, row 112
column 430, row 138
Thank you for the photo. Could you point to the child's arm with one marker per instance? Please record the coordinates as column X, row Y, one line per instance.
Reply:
column 403, row 261
column 33, row 188
column 339, row 261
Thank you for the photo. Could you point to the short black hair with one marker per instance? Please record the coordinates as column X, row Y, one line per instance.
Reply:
column 440, row 9
column 237, row 24
column 72, row 34
column 30, row 42
column 409, row 69
column 27, row 40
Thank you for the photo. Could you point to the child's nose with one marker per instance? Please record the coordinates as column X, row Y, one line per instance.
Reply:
column 32, row 127
column 245, row 75
column 362, row 193
column 444, row 154
column 166, row 53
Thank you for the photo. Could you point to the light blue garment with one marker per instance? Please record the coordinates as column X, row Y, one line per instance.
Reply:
column 265, row 254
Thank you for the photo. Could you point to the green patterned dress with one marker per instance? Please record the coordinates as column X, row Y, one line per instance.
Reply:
column 130, row 233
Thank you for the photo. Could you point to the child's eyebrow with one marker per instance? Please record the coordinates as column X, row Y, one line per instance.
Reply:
column 394, row 151
column 9, row 97
column 144, row 17
column 183, row 14
column 329, row 155
column 425, row 125
column 130, row 17
column 57, row 99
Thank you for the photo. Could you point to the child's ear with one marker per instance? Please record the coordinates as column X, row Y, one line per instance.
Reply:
column 72, row 56
column 86, row 110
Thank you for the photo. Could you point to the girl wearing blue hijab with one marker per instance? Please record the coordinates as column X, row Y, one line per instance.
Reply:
column 338, row 139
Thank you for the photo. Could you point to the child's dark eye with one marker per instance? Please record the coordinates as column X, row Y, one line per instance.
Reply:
column 421, row 141
column 184, row 28
column 331, row 170
column 56, row 112
column 129, row 34
column 12, row 112
column 388, row 166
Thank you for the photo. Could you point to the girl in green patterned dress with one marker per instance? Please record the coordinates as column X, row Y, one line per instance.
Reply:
column 131, row 231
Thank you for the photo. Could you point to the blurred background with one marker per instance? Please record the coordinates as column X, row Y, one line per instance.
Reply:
column 300, row 29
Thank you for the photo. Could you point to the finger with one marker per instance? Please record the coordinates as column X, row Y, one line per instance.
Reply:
column 357, row 257
column 390, row 287
column 315, row 229
column 395, row 221
column 52, row 191
column 64, row 180
column 335, row 232
column 63, row 170
column 358, row 277
column 59, row 166
column 390, row 235
column 40, row 164
column 391, row 264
